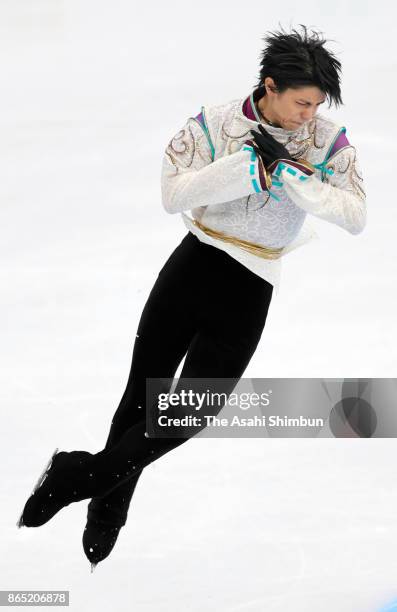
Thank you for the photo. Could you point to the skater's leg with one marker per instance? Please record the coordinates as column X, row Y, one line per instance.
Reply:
column 233, row 308
column 160, row 345
column 163, row 336
column 232, row 319
column 165, row 329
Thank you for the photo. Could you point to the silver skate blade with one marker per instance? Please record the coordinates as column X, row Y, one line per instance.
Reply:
column 41, row 479
column 93, row 566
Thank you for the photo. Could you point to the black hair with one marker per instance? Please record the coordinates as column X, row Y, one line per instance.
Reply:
column 296, row 60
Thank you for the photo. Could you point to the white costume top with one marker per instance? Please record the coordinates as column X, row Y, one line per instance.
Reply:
column 211, row 169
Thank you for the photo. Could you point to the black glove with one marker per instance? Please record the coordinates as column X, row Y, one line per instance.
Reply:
column 268, row 148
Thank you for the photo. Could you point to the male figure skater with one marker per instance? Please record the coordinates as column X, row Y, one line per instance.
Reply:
column 248, row 171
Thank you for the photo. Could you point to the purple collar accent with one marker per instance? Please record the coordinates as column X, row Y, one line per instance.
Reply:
column 248, row 107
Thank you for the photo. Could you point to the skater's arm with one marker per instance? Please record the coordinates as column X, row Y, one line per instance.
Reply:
column 340, row 199
column 190, row 178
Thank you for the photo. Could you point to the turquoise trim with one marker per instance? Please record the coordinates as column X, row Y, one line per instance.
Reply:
column 342, row 130
column 256, row 186
column 207, row 137
column 253, row 171
column 280, row 166
column 253, row 106
column 321, row 166
column 323, row 169
column 206, row 132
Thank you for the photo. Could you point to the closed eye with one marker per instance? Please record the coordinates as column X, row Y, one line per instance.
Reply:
column 305, row 104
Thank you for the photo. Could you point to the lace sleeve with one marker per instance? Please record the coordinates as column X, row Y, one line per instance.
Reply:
column 190, row 178
column 340, row 199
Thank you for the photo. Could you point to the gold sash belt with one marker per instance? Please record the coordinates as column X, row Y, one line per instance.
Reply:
column 251, row 247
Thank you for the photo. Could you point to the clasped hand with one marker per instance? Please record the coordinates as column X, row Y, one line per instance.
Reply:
column 268, row 148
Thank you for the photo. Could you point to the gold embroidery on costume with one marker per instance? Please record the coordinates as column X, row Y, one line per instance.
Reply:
column 184, row 146
column 344, row 162
column 233, row 138
column 229, row 202
column 298, row 146
column 179, row 146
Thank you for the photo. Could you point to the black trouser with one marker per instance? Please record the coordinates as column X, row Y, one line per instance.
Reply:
column 205, row 305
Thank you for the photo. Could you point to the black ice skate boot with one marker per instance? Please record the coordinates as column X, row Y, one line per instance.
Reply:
column 105, row 517
column 66, row 479
column 99, row 538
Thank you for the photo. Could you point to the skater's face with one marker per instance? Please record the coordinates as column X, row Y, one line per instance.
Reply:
column 293, row 107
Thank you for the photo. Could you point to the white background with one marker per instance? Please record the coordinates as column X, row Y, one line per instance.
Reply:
column 91, row 93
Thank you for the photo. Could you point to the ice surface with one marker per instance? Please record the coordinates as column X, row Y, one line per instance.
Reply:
column 91, row 93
